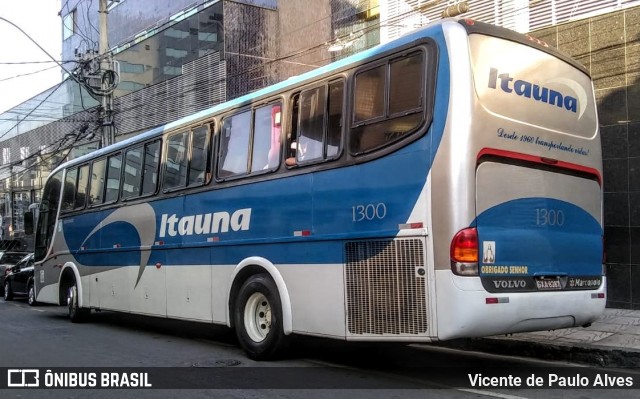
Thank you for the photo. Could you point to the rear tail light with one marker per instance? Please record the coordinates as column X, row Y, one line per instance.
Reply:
column 464, row 252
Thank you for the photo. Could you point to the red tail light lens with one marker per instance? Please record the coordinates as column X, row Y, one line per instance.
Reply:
column 464, row 252
column 464, row 246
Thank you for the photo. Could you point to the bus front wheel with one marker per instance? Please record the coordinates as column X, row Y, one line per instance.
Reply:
column 258, row 318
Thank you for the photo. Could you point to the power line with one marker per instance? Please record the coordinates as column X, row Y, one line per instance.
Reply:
column 28, row 73
column 36, row 43
column 35, row 62
column 30, row 112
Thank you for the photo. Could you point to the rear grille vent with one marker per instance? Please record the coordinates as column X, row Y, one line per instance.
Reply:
column 385, row 293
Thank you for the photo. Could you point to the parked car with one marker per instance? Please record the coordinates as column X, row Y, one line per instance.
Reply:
column 14, row 245
column 8, row 259
column 19, row 281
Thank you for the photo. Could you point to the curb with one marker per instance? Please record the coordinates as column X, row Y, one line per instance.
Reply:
column 593, row 355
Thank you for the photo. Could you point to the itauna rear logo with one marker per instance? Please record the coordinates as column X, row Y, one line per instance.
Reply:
column 539, row 93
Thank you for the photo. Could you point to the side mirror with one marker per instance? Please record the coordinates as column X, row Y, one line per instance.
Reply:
column 28, row 223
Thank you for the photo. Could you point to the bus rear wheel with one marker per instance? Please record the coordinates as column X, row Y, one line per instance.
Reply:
column 258, row 318
column 76, row 313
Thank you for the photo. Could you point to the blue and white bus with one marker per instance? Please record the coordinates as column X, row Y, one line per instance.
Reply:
column 447, row 184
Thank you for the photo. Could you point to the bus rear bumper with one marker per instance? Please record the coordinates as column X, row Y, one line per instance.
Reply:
column 465, row 309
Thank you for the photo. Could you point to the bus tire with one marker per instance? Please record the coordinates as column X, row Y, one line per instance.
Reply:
column 31, row 297
column 258, row 318
column 8, row 295
column 76, row 313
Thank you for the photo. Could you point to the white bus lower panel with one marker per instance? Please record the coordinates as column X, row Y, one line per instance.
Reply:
column 463, row 309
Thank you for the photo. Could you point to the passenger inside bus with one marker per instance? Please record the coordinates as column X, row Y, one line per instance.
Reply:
column 297, row 153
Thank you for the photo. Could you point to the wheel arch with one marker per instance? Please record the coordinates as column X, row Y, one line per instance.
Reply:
column 252, row 266
column 68, row 274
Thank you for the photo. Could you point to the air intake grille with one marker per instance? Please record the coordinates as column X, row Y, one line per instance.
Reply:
column 385, row 293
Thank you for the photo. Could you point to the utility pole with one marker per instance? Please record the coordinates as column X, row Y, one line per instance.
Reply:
column 106, row 115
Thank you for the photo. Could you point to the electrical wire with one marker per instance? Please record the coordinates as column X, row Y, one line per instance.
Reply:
column 33, row 110
column 28, row 73
column 37, row 45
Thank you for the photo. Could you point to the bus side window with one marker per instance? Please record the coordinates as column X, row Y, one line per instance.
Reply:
column 151, row 165
column 292, row 137
column 83, row 182
column 334, row 120
column 113, row 179
column 234, row 145
column 175, row 172
column 266, row 138
column 317, row 128
column 47, row 216
column 96, row 186
column 132, row 173
column 388, row 103
column 311, row 124
column 69, row 190
column 199, row 164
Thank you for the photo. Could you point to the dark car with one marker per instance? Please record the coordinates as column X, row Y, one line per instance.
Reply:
column 18, row 281
column 8, row 259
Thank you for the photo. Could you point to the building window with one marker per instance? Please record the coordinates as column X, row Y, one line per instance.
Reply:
column 69, row 25
column 113, row 4
column 130, row 86
column 24, row 153
column 172, row 70
column 126, row 67
column 176, row 53
column 6, row 155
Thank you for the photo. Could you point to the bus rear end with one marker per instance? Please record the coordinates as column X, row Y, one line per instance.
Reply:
column 525, row 236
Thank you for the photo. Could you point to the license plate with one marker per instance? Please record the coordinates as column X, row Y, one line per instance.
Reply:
column 548, row 285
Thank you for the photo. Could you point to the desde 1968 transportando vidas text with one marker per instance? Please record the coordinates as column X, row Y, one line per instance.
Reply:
column 550, row 381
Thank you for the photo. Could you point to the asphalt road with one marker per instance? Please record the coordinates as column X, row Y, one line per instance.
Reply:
column 192, row 360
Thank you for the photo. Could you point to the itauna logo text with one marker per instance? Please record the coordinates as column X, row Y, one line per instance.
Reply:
column 535, row 92
column 207, row 223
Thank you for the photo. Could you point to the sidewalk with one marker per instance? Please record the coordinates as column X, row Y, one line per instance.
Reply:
column 611, row 341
